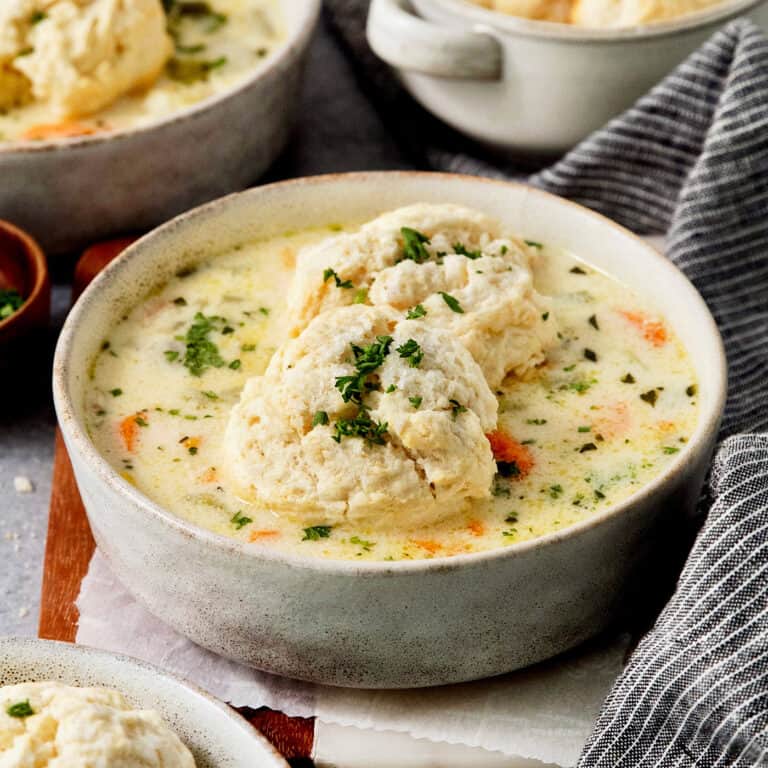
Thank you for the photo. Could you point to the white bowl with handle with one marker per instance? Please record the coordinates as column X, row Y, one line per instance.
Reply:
column 533, row 87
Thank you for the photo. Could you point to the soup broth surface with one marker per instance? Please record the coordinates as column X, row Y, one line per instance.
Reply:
column 614, row 404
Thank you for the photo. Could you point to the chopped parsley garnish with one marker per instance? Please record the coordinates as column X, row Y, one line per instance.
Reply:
column 457, row 408
column 141, row 421
column 37, row 17
column 501, row 490
column 580, row 387
column 366, row 545
column 331, row 273
column 537, row 422
column 416, row 312
column 201, row 352
column 585, row 429
column 556, row 491
column 320, row 418
column 248, row 348
column 650, row 397
column 412, row 352
column 593, row 322
column 367, row 360
column 577, row 271
column 533, row 244
column 670, row 449
column 189, row 71
column 180, row 302
column 317, row 532
column 227, row 330
column 587, row 447
column 627, row 378
column 545, row 316
column 239, row 520
column 361, row 426
column 10, row 302
column 590, row 354
column 210, row 395
column 452, row 302
column 192, row 450
column 390, row 389
column 264, row 311
column 116, row 392
column 361, row 296
column 691, row 390
column 20, row 709
column 511, row 518
column 503, row 250
column 171, row 355
column 414, row 245
column 508, row 468
column 235, row 364
column 190, row 49
column 462, row 250
column 415, row 401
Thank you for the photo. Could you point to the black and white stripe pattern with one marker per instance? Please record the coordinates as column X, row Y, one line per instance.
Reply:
column 690, row 159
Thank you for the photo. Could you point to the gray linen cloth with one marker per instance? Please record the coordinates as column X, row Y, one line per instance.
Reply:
column 690, row 159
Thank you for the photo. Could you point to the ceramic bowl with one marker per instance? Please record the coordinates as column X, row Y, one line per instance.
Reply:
column 527, row 86
column 383, row 624
column 216, row 735
column 70, row 192
column 23, row 268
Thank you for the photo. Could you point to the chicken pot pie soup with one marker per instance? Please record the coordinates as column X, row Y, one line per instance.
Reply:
column 77, row 67
column 424, row 385
column 49, row 723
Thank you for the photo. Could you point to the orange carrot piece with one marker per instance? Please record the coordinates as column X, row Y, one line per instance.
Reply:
column 209, row 476
column 428, row 545
column 265, row 534
column 65, row 130
column 612, row 421
column 476, row 527
column 506, row 449
column 652, row 330
column 129, row 430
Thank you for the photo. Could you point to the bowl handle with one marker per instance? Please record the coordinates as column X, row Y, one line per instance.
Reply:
column 405, row 41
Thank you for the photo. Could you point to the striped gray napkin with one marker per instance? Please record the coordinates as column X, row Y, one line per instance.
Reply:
column 690, row 159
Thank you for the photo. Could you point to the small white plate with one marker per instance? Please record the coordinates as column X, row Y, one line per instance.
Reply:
column 217, row 736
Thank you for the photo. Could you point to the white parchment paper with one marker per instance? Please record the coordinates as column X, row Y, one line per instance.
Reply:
column 543, row 713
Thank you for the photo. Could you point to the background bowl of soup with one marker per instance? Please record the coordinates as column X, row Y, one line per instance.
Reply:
column 215, row 734
column 68, row 192
column 530, row 86
column 384, row 623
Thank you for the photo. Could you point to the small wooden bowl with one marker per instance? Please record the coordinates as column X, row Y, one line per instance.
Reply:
column 23, row 267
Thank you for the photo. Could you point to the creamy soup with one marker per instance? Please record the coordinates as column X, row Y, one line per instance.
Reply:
column 215, row 45
column 610, row 408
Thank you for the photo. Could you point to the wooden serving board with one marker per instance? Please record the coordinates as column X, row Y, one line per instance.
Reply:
column 70, row 545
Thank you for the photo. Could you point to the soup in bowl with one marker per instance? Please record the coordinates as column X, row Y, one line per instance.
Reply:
column 324, row 417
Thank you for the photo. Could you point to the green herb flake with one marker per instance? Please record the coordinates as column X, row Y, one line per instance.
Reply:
column 320, row 419
column 366, row 545
column 116, row 392
column 201, row 352
column 537, row 422
column 361, row 426
column 670, row 449
column 457, row 408
column 37, row 17
column 411, row 352
column 452, row 302
column 590, row 355
column 545, row 316
column 190, row 71
column 235, row 364
column 248, row 348
column 361, row 296
column 585, row 429
column 210, row 395
column 317, row 532
column 390, row 389
column 577, row 271
column 462, row 250
column 593, row 322
column 416, row 312
column 414, row 245
column 192, row 450
column 239, row 520
column 691, row 390
column 415, row 401
column 20, row 709
column 508, row 469
column 180, row 301
column 627, row 378
column 171, row 355
column 331, row 273
column 650, row 397
column 10, row 302
column 587, row 447
column 533, row 244
column 141, row 421
column 555, row 491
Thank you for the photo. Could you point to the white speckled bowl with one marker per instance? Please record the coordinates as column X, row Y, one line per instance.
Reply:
column 70, row 192
column 216, row 735
column 383, row 624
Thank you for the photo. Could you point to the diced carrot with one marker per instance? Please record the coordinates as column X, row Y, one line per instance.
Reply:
column 506, row 449
column 209, row 476
column 613, row 420
column 65, row 130
column 428, row 545
column 129, row 430
column 476, row 528
column 652, row 330
column 265, row 534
